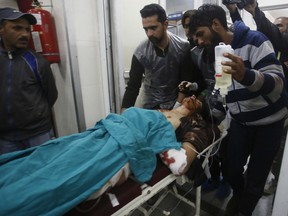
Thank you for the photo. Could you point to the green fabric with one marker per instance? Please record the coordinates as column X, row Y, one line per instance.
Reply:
column 53, row 178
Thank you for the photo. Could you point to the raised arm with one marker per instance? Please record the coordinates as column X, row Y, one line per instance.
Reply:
column 265, row 26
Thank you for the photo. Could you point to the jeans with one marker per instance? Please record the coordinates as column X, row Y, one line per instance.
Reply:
column 11, row 146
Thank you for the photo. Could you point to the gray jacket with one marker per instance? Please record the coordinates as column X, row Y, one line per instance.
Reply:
column 162, row 75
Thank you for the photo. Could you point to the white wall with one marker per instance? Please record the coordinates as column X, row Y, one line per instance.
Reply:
column 81, row 77
column 8, row 3
column 268, row 2
column 87, row 26
column 64, row 108
column 86, row 40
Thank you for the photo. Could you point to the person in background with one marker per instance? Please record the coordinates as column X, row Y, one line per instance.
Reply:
column 255, row 100
column 204, row 60
column 194, row 52
column 28, row 89
column 282, row 24
column 185, row 20
column 164, row 60
column 277, row 33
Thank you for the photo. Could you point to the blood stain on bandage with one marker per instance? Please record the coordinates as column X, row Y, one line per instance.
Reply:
column 166, row 158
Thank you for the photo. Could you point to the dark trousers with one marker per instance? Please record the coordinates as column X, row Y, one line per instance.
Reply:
column 215, row 163
column 7, row 146
column 278, row 158
column 261, row 143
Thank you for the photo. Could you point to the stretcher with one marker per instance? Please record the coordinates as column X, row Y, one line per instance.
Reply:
column 123, row 199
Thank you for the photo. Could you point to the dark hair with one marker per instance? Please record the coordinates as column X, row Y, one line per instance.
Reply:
column 154, row 9
column 205, row 15
column 187, row 14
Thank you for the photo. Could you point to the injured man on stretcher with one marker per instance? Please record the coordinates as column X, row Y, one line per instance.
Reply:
column 53, row 178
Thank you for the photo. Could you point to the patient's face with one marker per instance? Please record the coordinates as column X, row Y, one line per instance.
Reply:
column 192, row 103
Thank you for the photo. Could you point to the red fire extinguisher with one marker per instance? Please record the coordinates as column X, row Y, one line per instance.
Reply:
column 44, row 40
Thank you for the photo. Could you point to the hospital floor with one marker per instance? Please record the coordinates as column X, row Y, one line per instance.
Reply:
column 168, row 203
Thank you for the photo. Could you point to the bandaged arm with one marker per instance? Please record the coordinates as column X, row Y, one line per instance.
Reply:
column 179, row 161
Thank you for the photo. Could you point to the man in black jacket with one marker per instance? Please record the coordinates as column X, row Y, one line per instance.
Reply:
column 276, row 32
column 27, row 86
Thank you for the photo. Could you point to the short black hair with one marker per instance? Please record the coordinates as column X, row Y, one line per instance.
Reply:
column 187, row 14
column 154, row 9
column 205, row 15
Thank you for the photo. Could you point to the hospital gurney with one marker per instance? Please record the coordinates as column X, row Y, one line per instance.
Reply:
column 123, row 199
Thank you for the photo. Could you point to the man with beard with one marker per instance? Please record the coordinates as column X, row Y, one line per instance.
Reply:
column 256, row 101
column 204, row 59
column 164, row 60
column 28, row 89
column 277, row 33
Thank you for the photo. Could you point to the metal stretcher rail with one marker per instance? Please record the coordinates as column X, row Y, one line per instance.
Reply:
column 149, row 191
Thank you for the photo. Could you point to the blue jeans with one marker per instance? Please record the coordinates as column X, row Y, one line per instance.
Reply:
column 11, row 146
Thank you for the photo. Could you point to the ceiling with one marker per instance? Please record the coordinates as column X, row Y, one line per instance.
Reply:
column 278, row 13
column 276, row 10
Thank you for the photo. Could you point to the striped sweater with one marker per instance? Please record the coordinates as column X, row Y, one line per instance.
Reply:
column 260, row 98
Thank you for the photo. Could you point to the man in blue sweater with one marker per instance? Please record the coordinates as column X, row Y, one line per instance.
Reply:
column 256, row 100
column 277, row 33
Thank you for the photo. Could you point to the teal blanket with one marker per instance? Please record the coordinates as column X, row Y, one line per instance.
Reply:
column 53, row 178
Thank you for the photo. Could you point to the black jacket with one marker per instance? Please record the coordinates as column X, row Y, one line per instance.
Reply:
column 25, row 102
column 278, row 40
